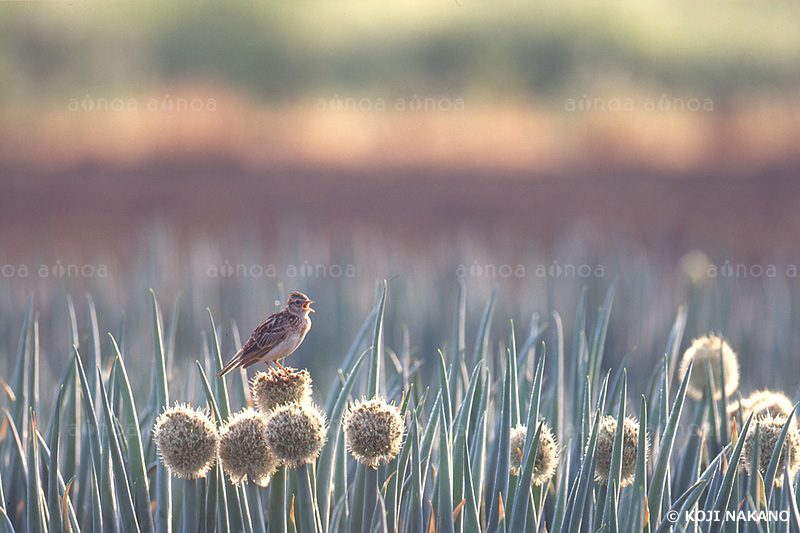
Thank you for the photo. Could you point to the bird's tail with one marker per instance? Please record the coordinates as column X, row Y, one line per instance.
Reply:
column 235, row 362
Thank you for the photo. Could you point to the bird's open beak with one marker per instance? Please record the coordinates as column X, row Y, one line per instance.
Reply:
column 307, row 305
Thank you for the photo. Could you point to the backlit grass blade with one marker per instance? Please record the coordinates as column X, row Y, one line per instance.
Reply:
column 559, row 392
column 379, row 517
column 602, row 395
column 478, row 452
column 351, row 358
column 663, row 400
column 657, row 481
column 326, row 463
column 22, row 405
column 33, row 371
column 304, row 510
column 482, row 339
column 616, row 384
column 36, row 513
column 500, row 485
column 614, row 473
column 458, row 343
column 91, row 416
column 137, row 469
column 584, row 393
column 682, row 504
column 633, row 517
column 224, row 510
column 574, row 512
column 535, row 332
column 163, row 516
column 791, row 496
column 276, row 518
column 444, row 387
column 19, row 380
column 97, row 504
column 53, row 503
column 692, row 450
column 370, row 495
column 460, row 453
column 725, row 491
column 397, row 469
column 613, row 515
column 224, row 405
column 244, row 508
column 654, row 388
column 340, row 483
column 598, row 340
column 519, row 508
column 191, row 515
column 357, row 508
column 172, row 333
column 95, row 356
column 108, row 495
column 64, row 396
column 445, row 479
column 5, row 522
column 561, row 495
column 483, row 388
column 755, row 490
column 377, row 348
column 123, row 496
column 715, row 444
column 160, row 377
column 18, row 460
column 221, row 392
column 723, row 401
column 772, row 468
column 212, row 402
column 580, row 354
column 257, row 507
column 336, row 523
column 210, row 503
column 675, row 339
column 2, row 493
column 471, row 520
column 415, row 503
column 66, row 510
column 512, row 348
column 427, row 438
column 72, row 420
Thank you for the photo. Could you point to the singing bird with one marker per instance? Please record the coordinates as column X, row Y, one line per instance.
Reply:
column 277, row 337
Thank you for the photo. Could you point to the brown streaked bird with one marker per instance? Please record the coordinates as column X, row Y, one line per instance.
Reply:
column 277, row 337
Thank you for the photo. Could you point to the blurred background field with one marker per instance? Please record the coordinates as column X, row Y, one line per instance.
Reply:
column 224, row 152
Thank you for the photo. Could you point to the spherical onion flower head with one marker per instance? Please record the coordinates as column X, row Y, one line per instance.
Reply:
column 705, row 352
column 767, row 403
column 296, row 433
column 187, row 441
column 243, row 449
column 273, row 389
column 546, row 461
column 606, row 434
column 373, row 431
column 769, row 428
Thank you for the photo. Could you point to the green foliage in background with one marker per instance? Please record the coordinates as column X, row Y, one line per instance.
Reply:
column 62, row 50
column 89, row 463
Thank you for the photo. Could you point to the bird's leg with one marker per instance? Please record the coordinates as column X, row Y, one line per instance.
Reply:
column 281, row 367
column 271, row 370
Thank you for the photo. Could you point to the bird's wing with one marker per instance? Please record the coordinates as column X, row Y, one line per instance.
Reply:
column 273, row 331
